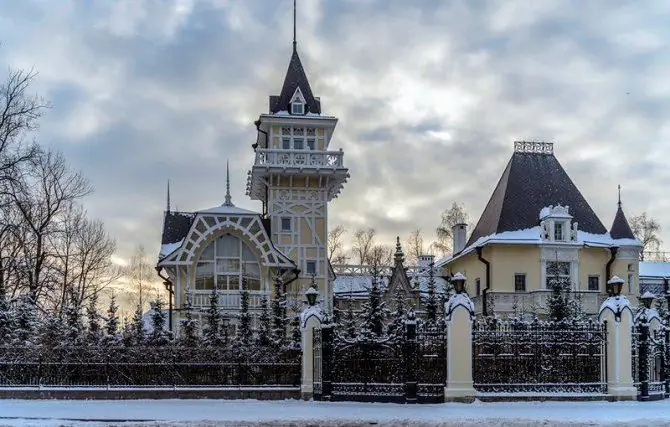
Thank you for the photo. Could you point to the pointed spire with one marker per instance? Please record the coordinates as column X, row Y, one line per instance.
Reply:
column 168, row 196
column 620, row 227
column 399, row 255
column 294, row 20
column 228, row 201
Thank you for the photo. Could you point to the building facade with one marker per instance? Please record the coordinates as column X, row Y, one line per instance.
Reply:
column 294, row 175
column 538, row 227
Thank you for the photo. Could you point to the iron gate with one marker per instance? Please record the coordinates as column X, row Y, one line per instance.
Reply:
column 407, row 369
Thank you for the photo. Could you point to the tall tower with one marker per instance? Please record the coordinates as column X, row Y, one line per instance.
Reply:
column 295, row 176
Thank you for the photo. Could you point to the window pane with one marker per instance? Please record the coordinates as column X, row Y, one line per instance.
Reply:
column 204, row 275
column 286, row 224
column 286, row 143
column 298, row 143
column 252, row 269
column 208, row 253
column 520, row 282
column 233, row 282
column 247, row 254
column 311, row 267
column 310, row 144
column 228, row 246
column 228, row 265
column 594, row 284
column 253, row 284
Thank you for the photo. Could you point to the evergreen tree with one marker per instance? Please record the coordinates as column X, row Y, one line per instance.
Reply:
column 159, row 335
column 7, row 321
column 264, row 324
column 111, row 336
column 94, row 330
column 189, row 335
column 244, row 330
column 212, row 330
column 52, row 331
column 399, row 313
column 278, row 306
column 73, row 318
column 373, row 314
column 296, row 333
column 349, row 322
column 138, row 333
column 128, row 338
column 558, row 307
column 26, row 320
column 431, row 299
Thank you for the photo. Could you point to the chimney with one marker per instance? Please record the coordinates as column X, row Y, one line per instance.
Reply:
column 424, row 261
column 459, row 231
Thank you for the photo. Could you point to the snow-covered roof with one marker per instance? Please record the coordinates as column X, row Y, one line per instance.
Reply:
column 227, row 210
column 168, row 248
column 353, row 285
column 654, row 269
column 532, row 235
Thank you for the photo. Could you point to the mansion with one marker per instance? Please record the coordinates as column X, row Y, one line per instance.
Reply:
column 536, row 226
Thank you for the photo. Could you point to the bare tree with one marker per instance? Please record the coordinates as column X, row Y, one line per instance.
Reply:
column 336, row 253
column 456, row 214
column 379, row 258
column 414, row 247
column 142, row 276
column 42, row 192
column 19, row 114
column 647, row 230
column 83, row 250
column 363, row 243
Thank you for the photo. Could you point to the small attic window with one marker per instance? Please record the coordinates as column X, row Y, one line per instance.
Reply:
column 558, row 231
column 297, row 108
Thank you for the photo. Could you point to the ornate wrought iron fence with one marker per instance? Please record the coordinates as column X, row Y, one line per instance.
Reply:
column 648, row 362
column 516, row 357
column 144, row 367
column 431, row 365
column 316, row 378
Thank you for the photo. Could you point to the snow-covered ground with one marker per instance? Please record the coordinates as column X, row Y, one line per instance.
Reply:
column 299, row 413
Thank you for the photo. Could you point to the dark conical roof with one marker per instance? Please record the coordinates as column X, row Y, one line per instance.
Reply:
column 530, row 182
column 620, row 227
column 295, row 77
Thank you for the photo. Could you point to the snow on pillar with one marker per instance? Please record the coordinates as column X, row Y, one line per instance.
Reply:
column 617, row 314
column 311, row 318
column 459, row 313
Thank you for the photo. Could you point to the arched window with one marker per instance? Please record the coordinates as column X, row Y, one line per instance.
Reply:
column 224, row 263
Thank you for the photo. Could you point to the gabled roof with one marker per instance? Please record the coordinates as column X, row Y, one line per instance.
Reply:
column 531, row 181
column 620, row 227
column 295, row 78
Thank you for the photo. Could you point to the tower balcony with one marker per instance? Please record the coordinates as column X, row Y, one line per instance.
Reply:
column 327, row 167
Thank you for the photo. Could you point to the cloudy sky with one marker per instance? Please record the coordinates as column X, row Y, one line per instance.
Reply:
column 430, row 96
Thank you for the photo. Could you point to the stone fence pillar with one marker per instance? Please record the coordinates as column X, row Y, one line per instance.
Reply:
column 617, row 315
column 311, row 318
column 459, row 314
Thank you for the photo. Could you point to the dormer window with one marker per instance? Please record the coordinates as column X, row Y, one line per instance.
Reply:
column 558, row 231
column 297, row 108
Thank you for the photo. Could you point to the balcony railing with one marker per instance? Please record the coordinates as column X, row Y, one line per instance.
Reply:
column 299, row 158
column 536, row 301
column 229, row 300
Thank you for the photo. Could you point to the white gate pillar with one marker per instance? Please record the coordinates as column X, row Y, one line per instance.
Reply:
column 616, row 312
column 459, row 314
column 310, row 318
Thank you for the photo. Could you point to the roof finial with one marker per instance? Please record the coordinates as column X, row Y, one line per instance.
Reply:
column 294, row 38
column 168, row 195
column 619, row 187
column 228, row 201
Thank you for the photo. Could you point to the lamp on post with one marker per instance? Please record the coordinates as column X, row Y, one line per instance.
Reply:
column 647, row 299
column 614, row 286
column 311, row 295
column 458, row 280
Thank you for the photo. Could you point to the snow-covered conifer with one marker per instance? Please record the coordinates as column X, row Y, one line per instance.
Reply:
column 264, row 326
column 138, row 332
column 25, row 321
column 73, row 318
column 245, row 333
column 94, row 330
column 373, row 314
column 278, row 307
column 212, row 330
column 7, row 319
column 398, row 315
column 52, row 331
column 431, row 298
column 159, row 335
column 111, row 337
column 189, row 332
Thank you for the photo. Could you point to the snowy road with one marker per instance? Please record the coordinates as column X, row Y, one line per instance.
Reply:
column 298, row 413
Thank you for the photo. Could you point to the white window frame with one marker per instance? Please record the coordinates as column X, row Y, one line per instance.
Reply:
column 297, row 108
column 559, row 231
column 588, row 282
column 548, row 276
column 307, row 264
column 281, row 224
